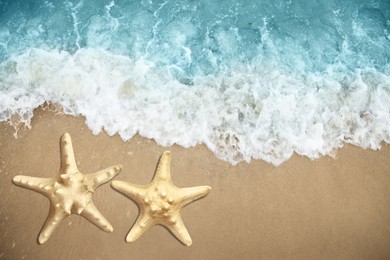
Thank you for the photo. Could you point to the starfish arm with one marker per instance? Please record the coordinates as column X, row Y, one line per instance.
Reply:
column 163, row 171
column 42, row 185
column 52, row 221
column 68, row 162
column 92, row 214
column 143, row 224
column 191, row 194
column 180, row 231
column 104, row 176
column 132, row 191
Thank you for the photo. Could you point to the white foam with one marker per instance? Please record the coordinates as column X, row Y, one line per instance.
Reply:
column 252, row 112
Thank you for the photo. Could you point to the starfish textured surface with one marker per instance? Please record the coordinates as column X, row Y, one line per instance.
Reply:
column 70, row 192
column 160, row 202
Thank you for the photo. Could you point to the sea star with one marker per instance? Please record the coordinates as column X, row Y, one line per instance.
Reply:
column 70, row 192
column 160, row 202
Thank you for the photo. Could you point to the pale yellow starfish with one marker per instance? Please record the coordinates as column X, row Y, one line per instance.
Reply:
column 70, row 192
column 160, row 202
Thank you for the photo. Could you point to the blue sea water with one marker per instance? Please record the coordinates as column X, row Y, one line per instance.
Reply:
column 249, row 79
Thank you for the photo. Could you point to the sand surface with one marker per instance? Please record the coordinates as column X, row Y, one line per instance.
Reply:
column 323, row 209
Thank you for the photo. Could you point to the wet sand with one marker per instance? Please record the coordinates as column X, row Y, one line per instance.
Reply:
column 323, row 209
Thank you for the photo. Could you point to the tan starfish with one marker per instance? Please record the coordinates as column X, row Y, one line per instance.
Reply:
column 160, row 202
column 70, row 192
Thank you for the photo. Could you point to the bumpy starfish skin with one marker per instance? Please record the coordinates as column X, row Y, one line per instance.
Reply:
column 70, row 192
column 160, row 202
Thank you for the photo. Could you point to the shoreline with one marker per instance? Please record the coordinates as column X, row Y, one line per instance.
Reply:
column 322, row 209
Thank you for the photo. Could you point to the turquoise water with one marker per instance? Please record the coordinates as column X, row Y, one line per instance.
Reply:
column 249, row 79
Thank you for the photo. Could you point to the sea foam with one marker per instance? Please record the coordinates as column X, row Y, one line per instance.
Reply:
column 242, row 113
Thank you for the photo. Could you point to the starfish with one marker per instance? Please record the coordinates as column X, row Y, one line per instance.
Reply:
column 160, row 202
column 70, row 192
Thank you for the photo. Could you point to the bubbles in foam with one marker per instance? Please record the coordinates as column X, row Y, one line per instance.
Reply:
column 249, row 112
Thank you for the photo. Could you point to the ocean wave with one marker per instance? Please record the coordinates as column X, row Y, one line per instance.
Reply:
column 247, row 111
column 249, row 79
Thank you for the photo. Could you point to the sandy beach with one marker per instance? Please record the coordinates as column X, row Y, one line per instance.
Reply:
column 322, row 209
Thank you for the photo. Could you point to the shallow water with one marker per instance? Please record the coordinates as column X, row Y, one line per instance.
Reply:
column 249, row 79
